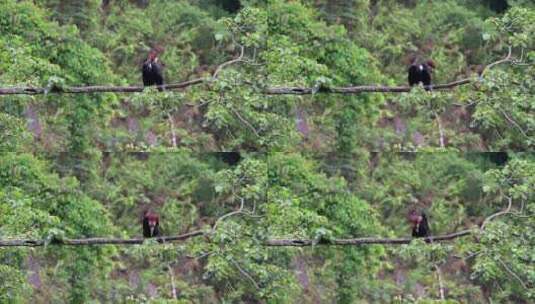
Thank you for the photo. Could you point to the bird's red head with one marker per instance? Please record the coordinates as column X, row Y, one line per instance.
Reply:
column 152, row 55
column 154, row 52
column 414, row 216
column 430, row 63
column 152, row 218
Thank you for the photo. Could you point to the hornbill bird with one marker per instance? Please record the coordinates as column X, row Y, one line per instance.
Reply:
column 420, row 72
column 420, row 228
column 152, row 69
column 151, row 224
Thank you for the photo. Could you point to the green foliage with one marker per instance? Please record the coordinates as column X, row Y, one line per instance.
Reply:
column 38, row 204
column 505, row 252
column 303, row 203
column 316, row 167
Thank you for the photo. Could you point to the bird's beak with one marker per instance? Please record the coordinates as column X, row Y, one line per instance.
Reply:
column 152, row 230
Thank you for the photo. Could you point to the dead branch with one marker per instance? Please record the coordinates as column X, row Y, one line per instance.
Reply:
column 244, row 121
column 186, row 236
column 173, row 285
column 440, row 130
column 221, row 66
column 185, row 84
column 362, row 241
column 512, row 273
column 506, row 59
column 239, row 211
column 358, row 89
column 440, row 283
column 96, row 241
column 94, row 89
column 244, row 273
column 505, row 211
column 514, row 123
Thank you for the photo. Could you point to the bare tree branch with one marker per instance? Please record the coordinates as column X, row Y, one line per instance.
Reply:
column 94, row 89
column 505, row 211
column 362, row 241
column 514, row 123
column 506, row 59
column 244, row 273
column 440, row 283
column 513, row 274
column 173, row 132
column 221, row 66
column 440, row 130
column 358, row 89
column 97, row 241
column 270, row 242
column 240, row 210
column 173, row 285
column 243, row 120
column 185, row 84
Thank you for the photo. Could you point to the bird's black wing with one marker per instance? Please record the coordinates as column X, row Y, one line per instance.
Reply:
column 424, row 226
column 426, row 76
column 414, row 75
column 146, row 72
column 157, row 72
column 156, row 232
column 146, row 228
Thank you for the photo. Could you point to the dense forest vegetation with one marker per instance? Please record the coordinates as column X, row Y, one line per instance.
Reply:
column 277, row 187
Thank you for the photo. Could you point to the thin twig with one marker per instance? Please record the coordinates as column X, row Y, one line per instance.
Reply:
column 506, row 59
column 244, row 273
column 243, row 120
column 513, row 274
column 240, row 210
column 221, row 66
column 505, row 211
column 514, row 123
column 440, row 283
column 440, row 130
column 173, row 286
column 173, row 132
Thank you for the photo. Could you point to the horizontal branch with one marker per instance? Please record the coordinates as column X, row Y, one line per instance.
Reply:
column 183, row 237
column 363, row 241
column 185, row 84
column 94, row 89
column 96, row 241
column 358, row 89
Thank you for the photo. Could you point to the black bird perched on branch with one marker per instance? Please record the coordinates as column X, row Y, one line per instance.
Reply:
column 420, row 72
column 151, row 224
column 420, row 228
column 152, row 69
